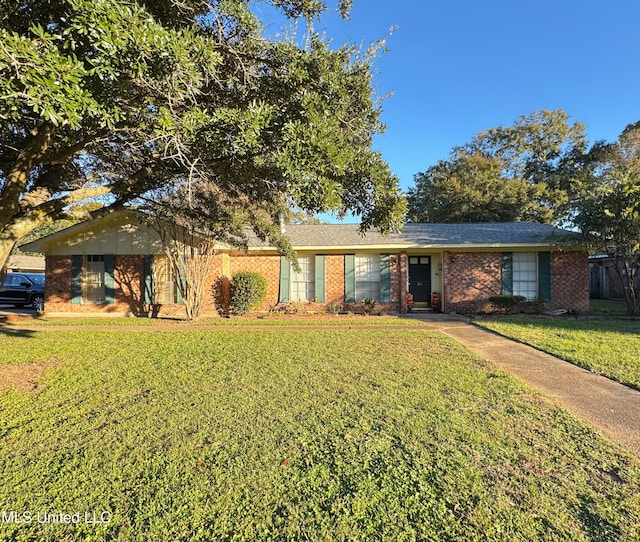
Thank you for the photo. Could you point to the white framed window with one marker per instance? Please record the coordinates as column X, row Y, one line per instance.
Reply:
column 367, row 271
column 93, row 279
column 165, row 289
column 303, row 281
column 525, row 274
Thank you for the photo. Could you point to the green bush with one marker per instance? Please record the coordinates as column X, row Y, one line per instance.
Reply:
column 506, row 303
column 248, row 289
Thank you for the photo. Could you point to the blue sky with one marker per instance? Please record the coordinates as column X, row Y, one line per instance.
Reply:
column 457, row 67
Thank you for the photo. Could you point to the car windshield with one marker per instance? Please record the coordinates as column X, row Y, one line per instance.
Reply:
column 36, row 279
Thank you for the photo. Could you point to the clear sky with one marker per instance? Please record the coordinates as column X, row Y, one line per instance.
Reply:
column 457, row 67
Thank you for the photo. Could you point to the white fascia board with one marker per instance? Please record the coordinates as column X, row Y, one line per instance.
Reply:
column 404, row 248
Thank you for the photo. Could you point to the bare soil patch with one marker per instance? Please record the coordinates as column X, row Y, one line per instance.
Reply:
column 22, row 378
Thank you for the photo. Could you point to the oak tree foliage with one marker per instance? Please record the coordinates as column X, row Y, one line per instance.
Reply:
column 609, row 211
column 148, row 101
column 529, row 171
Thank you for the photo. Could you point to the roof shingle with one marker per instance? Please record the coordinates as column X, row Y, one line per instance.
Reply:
column 425, row 235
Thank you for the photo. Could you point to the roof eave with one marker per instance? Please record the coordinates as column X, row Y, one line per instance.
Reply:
column 408, row 247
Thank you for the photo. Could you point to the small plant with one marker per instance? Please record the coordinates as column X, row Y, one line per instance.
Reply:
column 506, row 303
column 298, row 307
column 368, row 305
column 248, row 289
column 336, row 308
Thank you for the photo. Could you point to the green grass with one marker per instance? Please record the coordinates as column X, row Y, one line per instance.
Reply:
column 264, row 320
column 354, row 434
column 607, row 347
column 607, row 307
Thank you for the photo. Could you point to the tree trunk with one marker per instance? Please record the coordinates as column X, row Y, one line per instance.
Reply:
column 626, row 274
column 6, row 246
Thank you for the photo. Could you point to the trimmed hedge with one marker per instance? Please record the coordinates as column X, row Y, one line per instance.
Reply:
column 248, row 289
column 506, row 303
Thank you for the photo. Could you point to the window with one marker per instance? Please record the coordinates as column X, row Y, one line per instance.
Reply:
column 525, row 274
column 303, row 281
column 304, row 285
column 165, row 289
column 367, row 274
column 93, row 285
column 92, row 278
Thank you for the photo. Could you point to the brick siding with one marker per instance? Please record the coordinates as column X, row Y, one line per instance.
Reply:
column 570, row 281
column 268, row 267
column 127, row 278
column 470, row 278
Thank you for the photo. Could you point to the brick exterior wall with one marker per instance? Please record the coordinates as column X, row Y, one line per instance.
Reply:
column 268, row 267
column 57, row 287
column 127, row 277
column 570, row 281
column 334, row 280
column 470, row 278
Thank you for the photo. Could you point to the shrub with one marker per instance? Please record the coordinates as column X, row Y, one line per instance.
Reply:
column 248, row 289
column 506, row 303
column 368, row 305
column 534, row 306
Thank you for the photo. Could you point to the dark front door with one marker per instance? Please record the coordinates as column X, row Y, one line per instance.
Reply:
column 420, row 278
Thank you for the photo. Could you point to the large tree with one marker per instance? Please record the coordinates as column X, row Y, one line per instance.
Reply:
column 127, row 102
column 609, row 211
column 527, row 171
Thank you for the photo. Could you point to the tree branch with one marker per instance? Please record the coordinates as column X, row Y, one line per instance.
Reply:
column 18, row 175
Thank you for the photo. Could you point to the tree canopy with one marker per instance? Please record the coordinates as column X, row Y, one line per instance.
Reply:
column 608, row 214
column 183, row 100
column 527, row 171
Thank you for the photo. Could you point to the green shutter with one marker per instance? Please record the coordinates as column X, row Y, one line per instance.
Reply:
column 147, row 279
column 507, row 273
column 109, row 282
column 177, row 283
column 544, row 275
column 285, row 278
column 350, row 278
column 320, row 280
column 385, row 278
column 76, row 279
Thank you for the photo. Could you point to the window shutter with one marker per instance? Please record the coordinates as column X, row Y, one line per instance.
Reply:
column 320, row 280
column 76, row 279
column 147, row 279
column 385, row 278
column 109, row 282
column 507, row 273
column 544, row 275
column 350, row 278
column 285, row 279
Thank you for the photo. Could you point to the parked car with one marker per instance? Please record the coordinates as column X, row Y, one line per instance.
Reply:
column 20, row 289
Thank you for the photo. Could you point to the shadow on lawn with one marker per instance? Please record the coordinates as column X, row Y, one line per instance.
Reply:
column 7, row 329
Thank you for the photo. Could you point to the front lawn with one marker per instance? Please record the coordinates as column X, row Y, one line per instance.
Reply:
column 607, row 347
column 353, row 434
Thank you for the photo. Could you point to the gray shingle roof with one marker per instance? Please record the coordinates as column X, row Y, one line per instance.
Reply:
column 426, row 235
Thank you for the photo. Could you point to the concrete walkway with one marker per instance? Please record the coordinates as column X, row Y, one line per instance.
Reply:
column 605, row 404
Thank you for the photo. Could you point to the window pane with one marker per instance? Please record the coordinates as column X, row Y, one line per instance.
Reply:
column 525, row 274
column 94, row 280
column 164, row 290
column 303, row 281
column 367, row 276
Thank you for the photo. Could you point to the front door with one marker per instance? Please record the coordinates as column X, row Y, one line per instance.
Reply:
column 420, row 278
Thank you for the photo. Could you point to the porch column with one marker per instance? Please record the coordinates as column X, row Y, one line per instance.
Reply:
column 404, row 280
